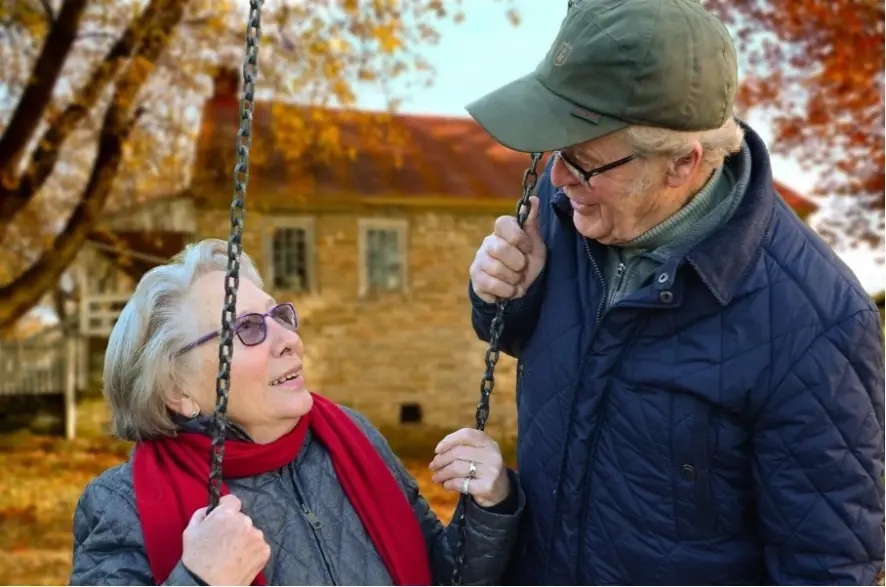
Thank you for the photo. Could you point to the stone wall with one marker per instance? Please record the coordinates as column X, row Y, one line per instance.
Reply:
column 379, row 352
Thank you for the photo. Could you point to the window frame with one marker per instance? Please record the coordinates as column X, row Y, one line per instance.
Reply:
column 398, row 225
column 305, row 223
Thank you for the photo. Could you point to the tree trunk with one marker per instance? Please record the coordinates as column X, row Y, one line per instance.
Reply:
column 37, row 96
column 25, row 292
column 16, row 193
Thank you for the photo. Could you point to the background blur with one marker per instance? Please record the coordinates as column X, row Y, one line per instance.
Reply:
column 369, row 193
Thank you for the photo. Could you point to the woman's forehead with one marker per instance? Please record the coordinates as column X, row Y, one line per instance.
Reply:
column 209, row 295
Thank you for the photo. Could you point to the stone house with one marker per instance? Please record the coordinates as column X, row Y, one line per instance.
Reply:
column 371, row 240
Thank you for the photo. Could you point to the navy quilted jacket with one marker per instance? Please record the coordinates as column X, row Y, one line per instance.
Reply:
column 722, row 425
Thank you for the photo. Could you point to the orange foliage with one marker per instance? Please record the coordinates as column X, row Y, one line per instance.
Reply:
column 817, row 67
column 101, row 102
column 44, row 476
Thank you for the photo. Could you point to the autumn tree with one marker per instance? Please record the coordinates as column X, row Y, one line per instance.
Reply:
column 816, row 68
column 102, row 98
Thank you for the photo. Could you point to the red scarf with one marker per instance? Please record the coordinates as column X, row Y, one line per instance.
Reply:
column 171, row 476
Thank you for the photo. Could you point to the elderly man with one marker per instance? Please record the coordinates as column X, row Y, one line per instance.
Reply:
column 700, row 379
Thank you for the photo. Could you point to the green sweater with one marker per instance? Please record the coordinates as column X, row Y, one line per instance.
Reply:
column 629, row 266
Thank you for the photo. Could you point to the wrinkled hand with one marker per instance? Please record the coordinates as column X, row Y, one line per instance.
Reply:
column 510, row 259
column 490, row 485
column 224, row 548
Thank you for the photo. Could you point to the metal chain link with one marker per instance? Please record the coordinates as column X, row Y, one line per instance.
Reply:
column 235, row 248
column 530, row 177
column 232, row 282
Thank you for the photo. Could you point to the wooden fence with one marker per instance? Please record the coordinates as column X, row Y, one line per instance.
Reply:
column 44, row 364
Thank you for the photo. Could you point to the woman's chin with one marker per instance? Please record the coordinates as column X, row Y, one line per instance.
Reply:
column 292, row 402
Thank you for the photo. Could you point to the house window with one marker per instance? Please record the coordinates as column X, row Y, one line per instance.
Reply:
column 382, row 247
column 291, row 254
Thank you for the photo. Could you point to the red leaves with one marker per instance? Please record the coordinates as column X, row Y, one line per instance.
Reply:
column 817, row 65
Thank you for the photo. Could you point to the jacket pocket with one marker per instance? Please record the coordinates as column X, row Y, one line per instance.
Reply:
column 695, row 508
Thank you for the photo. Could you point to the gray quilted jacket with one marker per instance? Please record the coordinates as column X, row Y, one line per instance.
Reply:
column 322, row 543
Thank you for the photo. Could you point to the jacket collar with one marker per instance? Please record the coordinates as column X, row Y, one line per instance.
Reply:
column 202, row 424
column 723, row 259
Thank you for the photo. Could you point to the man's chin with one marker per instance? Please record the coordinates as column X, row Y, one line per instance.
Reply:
column 590, row 226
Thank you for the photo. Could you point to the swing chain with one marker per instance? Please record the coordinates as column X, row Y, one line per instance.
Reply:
column 235, row 248
column 530, row 177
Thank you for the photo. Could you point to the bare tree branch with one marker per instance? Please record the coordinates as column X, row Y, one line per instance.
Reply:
column 18, row 297
column 47, row 8
column 37, row 94
column 49, row 147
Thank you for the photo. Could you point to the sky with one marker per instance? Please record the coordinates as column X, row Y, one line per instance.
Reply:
column 486, row 51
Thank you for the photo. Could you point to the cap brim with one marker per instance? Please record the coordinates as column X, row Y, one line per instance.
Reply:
column 526, row 116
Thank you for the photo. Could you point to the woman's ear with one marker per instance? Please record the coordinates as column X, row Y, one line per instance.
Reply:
column 182, row 403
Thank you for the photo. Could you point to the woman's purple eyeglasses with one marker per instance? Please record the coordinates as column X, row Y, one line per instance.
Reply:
column 251, row 328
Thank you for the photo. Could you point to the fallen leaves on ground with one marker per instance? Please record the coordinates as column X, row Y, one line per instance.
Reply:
column 42, row 480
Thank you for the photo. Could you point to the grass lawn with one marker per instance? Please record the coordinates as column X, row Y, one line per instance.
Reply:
column 43, row 476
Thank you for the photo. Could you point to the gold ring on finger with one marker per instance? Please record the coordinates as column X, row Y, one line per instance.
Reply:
column 472, row 470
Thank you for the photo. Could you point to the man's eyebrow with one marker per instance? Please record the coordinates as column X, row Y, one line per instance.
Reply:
column 582, row 156
column 587, row 156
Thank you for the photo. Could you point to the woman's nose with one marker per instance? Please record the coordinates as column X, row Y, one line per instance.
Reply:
column 285, row 341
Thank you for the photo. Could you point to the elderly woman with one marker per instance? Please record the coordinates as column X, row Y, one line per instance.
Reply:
column 312, row 492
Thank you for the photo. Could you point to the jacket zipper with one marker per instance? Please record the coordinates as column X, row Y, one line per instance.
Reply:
column 598, row 318
column 315, row 524
column 604, row 402
column 604, row 399
column 588, row 476
column 599, row 273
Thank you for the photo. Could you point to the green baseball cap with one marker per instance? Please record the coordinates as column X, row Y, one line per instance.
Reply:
column 614, row 63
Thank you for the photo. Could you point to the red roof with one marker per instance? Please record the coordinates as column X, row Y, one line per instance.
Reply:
column 801, row 205
column 390, row 154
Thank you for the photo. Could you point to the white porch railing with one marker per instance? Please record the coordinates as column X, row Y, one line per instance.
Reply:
column 45, row 364
column 99, row 313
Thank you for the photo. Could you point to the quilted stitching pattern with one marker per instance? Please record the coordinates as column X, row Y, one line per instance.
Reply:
column 697, row 442
column 109, row 546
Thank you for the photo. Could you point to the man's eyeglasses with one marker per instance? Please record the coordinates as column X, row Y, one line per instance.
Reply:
column 586, row 176
column 252, row 328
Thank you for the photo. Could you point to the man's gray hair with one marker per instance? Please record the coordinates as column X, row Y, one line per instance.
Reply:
column 141, row 366
column 717, row 144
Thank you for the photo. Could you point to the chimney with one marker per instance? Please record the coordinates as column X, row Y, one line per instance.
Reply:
column 218, row 127
column 226, row 84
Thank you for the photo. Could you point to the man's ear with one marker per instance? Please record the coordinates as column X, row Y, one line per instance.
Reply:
column 683, row 170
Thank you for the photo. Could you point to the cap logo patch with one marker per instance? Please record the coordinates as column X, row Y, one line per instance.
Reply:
column 586, row 115
column 562, row 53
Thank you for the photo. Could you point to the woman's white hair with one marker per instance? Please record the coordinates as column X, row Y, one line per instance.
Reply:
column 141, row 366
column 716, row 144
